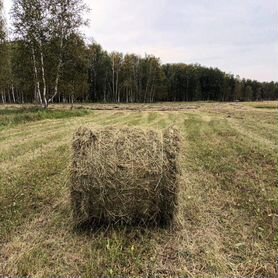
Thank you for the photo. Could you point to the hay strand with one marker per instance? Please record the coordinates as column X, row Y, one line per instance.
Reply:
column 124, row 175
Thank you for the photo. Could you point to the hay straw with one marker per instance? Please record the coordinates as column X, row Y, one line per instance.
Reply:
column 124, row 175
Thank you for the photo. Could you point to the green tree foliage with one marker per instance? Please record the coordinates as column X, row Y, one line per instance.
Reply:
column 45, row 26
column 50, row 61
column 6, row 87
column 22, row 72
column 89, row 73
column 74, row 84
column 248, row 93
column 99, row 70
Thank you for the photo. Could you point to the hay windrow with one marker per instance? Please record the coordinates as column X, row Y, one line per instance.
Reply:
column 125, row 175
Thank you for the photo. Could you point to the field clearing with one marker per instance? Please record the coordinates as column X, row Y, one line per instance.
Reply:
column 227, row 224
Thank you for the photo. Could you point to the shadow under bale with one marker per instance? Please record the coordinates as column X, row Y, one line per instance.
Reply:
column 126, row 176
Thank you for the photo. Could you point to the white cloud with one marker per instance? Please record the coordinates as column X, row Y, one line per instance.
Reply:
column 237, row 36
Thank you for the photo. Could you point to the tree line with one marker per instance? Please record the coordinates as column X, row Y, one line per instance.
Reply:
column 48, row 61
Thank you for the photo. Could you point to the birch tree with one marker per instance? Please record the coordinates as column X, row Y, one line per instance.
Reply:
column 117, row 60
column 4, row 61
column 65, row 19
column 2, row 37
column 30, row 25
column 41, row 23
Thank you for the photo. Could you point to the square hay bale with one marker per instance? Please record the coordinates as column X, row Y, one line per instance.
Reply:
column 124, row 175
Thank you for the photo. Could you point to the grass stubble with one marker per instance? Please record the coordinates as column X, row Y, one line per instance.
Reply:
column 228, row 214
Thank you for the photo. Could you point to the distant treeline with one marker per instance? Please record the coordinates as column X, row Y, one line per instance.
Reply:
column 115, row 77
column 88, row 73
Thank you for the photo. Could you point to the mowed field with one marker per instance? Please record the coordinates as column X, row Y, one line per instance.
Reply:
column 227, row 223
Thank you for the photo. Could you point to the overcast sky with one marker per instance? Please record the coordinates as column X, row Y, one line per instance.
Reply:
column 238, row 36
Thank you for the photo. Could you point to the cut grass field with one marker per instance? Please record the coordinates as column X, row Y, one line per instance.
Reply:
column 228, row 214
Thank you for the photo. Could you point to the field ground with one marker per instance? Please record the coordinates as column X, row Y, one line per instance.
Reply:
column 228, row 214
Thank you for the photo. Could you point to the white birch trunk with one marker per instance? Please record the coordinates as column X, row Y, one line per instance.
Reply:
column 59, row 65
column 113, row 77
column 45, row 102
column 37, row 82
column 3, row 98
column 13, row 96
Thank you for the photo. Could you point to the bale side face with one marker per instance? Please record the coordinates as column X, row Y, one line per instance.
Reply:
column 124, row 175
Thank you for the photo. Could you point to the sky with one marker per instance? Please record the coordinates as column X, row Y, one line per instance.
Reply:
column 237, row 36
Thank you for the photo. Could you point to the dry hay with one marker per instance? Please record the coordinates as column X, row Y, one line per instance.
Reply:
column 139, row 107
column 125, row 175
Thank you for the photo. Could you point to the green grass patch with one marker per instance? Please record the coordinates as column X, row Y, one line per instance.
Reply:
column 227, row 208
column 12, row 117
column 27, row 191
column 264, row 105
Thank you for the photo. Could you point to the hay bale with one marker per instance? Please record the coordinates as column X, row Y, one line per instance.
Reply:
column 124, row 175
